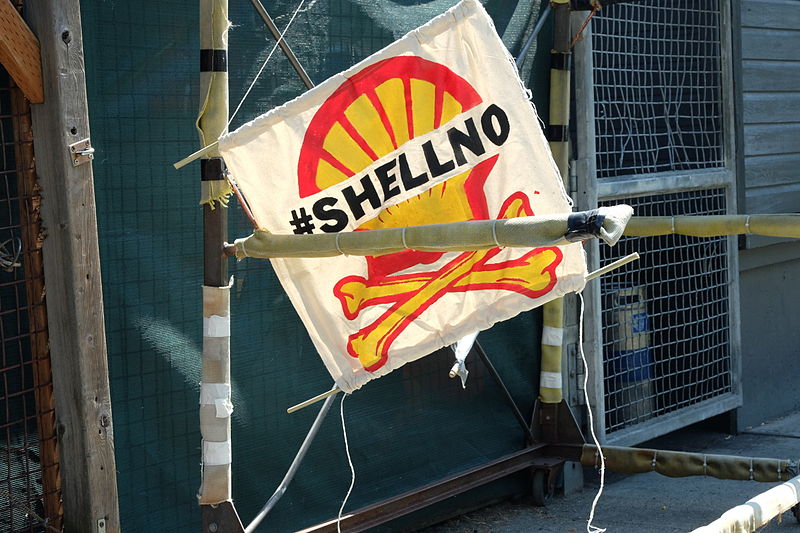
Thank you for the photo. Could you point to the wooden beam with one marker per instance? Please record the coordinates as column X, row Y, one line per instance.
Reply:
column 19, row 53
column 72, row 274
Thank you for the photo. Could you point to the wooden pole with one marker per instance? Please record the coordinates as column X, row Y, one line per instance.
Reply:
column 72, row 270
column 33, row 265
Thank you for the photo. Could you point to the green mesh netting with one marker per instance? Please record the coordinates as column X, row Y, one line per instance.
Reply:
column 409, row 428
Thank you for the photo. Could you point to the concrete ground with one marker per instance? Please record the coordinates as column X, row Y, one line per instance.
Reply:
column 646, row 503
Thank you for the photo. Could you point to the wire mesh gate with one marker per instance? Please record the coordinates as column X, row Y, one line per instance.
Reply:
column 662, row 143
column 30, row 499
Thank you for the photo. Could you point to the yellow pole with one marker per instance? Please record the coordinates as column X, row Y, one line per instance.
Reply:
column 550, row 378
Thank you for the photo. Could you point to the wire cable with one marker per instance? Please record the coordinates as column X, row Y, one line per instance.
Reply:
column 269, row 56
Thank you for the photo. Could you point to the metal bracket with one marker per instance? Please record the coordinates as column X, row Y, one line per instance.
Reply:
column 81, row 152
column 221, row 518
column 101, row 525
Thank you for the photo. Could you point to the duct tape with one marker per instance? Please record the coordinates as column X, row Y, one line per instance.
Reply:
column 210, row 392
column 218, row 395
column 224, row 407
column 552, row 336
column 217, row 326
column 584, row 225
column 550, row 380
column 216, row 453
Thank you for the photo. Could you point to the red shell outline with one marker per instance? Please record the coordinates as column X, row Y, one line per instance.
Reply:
column 365, row 82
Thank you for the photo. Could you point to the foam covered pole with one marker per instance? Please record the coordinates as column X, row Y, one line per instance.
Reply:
column 215, row 389
column 758, row 511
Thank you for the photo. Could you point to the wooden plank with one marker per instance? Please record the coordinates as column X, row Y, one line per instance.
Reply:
column 768, row 170
column 763, row 139
column 772, row 108
column 783, row 199
column 19, row 52
column 770, row 75
column 762, row 43
column 779, row 14
column 72, row 271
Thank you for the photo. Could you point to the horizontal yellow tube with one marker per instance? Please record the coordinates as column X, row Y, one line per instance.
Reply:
column 787, row 225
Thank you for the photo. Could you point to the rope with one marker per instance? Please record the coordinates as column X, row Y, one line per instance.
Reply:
column 350, row 462
column 269, row 56
column 589, row 527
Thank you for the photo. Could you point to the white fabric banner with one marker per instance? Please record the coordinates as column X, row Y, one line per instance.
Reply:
column 434, row 128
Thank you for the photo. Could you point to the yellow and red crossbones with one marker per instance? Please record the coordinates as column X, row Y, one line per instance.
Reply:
column 532, row 275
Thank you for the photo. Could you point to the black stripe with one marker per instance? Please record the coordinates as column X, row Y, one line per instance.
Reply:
column 584, row 225
column 559, row 61
column 212, row 169
column 213, row 60
column 557, row 133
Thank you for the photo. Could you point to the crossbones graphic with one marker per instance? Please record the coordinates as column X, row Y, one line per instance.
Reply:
column 532, row 275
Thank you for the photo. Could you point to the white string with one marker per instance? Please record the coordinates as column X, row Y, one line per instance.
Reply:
column 350, row 462
column 747, row 224
column 589, row 527
column 269, row 56
column 403, row 234
column 494, row 233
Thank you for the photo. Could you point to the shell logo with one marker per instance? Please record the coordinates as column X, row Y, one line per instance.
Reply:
column 372, row 115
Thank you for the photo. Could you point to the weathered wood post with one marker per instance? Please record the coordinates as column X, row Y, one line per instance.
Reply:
column 72, row 270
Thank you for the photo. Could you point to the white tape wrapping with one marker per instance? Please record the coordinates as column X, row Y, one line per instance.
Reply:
column 217, row 326
column 219, row 395
column 216, row 453
column 552, row 336
column 209, row 392
column 550, row 380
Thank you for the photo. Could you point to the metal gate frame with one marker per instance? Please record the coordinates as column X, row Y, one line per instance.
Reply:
column 587, row 191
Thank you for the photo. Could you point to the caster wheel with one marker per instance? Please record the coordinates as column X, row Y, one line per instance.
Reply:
column 540, row 488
